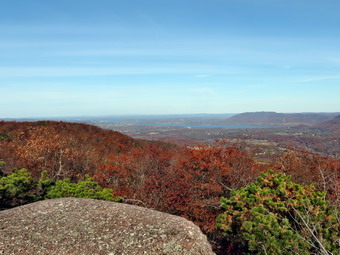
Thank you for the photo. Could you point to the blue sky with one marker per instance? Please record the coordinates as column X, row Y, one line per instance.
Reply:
column 108, row 57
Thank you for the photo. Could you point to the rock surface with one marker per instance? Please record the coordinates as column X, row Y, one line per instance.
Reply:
column 86, row 226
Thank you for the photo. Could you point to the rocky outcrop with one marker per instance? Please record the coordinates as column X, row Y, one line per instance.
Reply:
column 86, row 226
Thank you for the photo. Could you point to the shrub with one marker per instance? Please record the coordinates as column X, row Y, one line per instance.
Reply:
column 15, row 188
column 2, row 165
column 42, row 123
column 83, row 189
column 273, row 215
column 5, row 137
column 19, row 188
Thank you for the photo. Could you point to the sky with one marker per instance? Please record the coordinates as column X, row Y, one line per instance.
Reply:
column 117, row 57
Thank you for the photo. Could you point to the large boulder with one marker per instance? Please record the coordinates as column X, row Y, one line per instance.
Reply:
column 87, row 226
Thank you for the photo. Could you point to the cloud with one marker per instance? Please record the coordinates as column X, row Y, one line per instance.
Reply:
column 334, row 60
column 67, row 29
column 173, row 68
column 111, row 52
column 321, row 78
column 89, row 71
column 202, row 75
column 140, row 49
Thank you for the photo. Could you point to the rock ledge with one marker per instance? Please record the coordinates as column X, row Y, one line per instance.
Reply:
column 87, row 226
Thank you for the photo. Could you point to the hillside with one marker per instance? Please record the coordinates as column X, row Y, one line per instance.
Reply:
column 61, row 148
column 330, row 124
column 278, row 119
column 181, row 180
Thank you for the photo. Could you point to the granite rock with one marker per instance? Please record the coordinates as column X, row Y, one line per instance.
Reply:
column 87, row 226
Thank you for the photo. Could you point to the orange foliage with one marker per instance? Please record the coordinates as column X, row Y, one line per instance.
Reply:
column 186, row 181
column 308, row 168
column 183, row 181
column 62, row 149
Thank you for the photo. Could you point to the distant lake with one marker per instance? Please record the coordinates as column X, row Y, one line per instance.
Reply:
column 200, row 126
column 131, row 123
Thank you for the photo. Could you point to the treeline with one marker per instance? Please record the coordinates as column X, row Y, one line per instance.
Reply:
column 186, row 181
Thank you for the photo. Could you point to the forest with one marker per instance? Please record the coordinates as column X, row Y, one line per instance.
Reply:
column 288, row 204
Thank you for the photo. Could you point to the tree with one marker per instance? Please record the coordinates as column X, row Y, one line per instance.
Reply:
column 273, row 215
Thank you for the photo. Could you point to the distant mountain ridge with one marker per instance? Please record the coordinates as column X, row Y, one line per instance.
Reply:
column 279, row 119
column 331, row 124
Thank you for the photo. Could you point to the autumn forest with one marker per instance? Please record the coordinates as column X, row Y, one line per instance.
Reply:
column 188, row 181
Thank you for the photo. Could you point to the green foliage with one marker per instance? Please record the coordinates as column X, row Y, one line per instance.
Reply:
column 83, row 189
column 44, row 182
column 42, row 123
column 2, row 164
column 5, row 137
column 273, row 215
column 16, row 186
column 19, row 188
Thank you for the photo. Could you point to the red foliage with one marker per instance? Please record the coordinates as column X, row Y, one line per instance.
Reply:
column 308, row 168
column 62, row 149
column 185, row 181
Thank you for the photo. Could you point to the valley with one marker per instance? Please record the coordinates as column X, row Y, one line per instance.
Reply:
column 264, row 139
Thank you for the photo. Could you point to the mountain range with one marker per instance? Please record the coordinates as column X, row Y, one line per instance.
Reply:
column 279, row 119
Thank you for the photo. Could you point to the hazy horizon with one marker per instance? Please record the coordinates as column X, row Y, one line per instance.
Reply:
column 106, row 58
column 168, row 115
